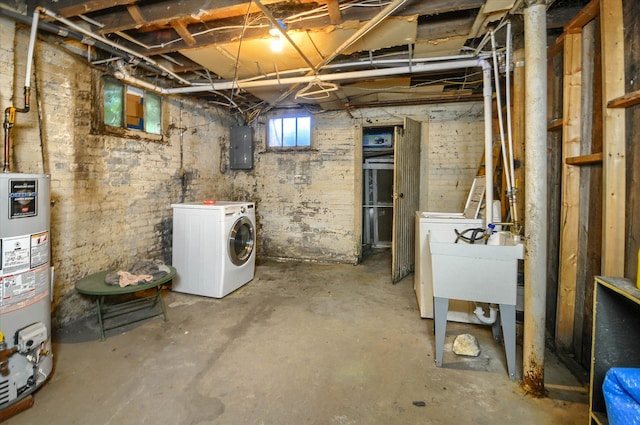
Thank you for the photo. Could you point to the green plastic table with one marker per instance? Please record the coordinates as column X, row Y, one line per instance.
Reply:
column 94, row 285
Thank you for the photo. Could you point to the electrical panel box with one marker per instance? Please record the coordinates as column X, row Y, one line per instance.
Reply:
column 241, row 148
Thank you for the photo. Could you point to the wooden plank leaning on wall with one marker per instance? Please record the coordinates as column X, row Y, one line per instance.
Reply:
column 570, row 187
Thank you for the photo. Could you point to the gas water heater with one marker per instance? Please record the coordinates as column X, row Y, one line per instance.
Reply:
column 26, row 359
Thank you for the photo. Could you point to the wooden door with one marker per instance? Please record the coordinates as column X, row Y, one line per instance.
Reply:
column 406, row 190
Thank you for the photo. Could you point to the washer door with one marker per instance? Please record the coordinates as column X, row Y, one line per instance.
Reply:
column 241, row 241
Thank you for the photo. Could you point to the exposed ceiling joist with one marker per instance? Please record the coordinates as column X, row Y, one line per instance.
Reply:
column 182, row 30
column 134, row 12
column 335, row 16
column 69, row 8
column 195, row 44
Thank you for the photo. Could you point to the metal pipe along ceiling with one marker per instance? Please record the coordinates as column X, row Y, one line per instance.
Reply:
column 67, row 33
column 426, row 67
column 146, row 62
column 110, row 43
column 341, row 76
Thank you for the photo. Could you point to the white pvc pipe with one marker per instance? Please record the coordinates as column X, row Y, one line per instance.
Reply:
column 124, row 76
column 496, row 72
column 508, row 102
column 493, row 315
column 427, row 67
column 488, row 143
column 513, row 190
column 32, row 42
column 437, row 66
column 385, row 62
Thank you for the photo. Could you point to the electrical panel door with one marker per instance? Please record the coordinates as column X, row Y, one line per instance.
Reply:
column 241, row 148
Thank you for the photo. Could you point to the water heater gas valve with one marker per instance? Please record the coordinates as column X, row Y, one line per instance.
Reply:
column 31, row 337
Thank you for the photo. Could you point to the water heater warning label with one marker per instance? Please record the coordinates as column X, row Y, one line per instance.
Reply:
column 21, row 290
column 23, row 253
column 39, row 249
column 16, row 255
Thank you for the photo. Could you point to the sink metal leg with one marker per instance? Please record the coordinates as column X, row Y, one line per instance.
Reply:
column 496, row 329
column 441, row 308
column 508, row 319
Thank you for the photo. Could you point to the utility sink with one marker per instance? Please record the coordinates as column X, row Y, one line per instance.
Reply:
column 476, row 272
column 481, row 273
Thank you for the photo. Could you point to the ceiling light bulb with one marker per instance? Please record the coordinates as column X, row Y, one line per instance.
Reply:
column 274, row 32
column 276, row 45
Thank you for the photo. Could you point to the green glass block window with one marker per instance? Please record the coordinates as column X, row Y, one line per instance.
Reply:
column 113, row 102
column 152, row 113
column 132, row 108
column 290, row 132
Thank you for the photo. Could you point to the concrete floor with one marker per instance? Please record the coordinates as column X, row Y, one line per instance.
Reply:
column 300, row 344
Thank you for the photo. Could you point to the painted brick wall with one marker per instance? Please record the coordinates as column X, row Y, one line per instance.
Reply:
column 454, row 152
column 111, row 196
column 451, row 149
column 306, row 200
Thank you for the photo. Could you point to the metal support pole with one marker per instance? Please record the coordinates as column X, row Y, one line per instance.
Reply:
column 535, row 289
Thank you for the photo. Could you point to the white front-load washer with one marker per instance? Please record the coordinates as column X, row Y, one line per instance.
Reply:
column 213, row 247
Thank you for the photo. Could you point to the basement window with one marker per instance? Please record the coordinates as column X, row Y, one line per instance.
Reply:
column 289, row 132
column 131, row 108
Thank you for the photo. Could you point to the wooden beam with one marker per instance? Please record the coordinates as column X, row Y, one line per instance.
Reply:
column 200, row 15
column 560, row 17
column 614, row 139
column 421, row 101
column 163, row 13
column 626, row 101
column 182, row 30
column 335, row 17
column 68, row 8
column 135, row 14
column 570, row 191
column 632, row 235
column 587, row 14
column 553, row 179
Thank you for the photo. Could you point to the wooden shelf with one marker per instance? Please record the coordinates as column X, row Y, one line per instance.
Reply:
column 594, row 158
column 616, row 337
column 555, row 124
column 626, row 101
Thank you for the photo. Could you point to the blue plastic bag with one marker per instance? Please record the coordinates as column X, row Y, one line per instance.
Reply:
column 621, row 389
